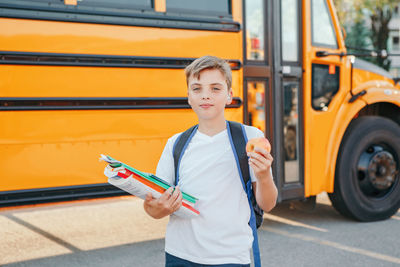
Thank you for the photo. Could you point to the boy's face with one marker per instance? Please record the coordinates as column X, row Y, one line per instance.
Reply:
column 209, row 94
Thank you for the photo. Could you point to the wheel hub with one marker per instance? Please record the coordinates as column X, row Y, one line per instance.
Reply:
column 376, row 171
column 381, row 170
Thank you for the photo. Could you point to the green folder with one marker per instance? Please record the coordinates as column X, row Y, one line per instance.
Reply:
column 150, row 177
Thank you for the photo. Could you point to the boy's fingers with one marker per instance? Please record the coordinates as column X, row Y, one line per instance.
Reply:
column 254, row 165
column 178, row 202
column 257, row 158
column 255, row 155
column 177, row 191
column 175, row 201
column 261, row 160
column 259, row 164
column 269, row 157
column 177, row 206
column 261, row 151
column 178, row 198
column 148, row 200
column 149, row 196
column 175, row 195
column 261, row 157
column 166, row 195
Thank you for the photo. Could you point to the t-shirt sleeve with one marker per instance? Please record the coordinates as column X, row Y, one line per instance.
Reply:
column 253, row 132
column 165, row 167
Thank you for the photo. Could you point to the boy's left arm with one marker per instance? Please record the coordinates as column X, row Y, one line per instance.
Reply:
column 265, row 190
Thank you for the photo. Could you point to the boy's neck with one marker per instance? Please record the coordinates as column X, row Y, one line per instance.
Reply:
column 212, row 128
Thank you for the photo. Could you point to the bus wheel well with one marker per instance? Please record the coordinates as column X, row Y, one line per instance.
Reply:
column 382, row 109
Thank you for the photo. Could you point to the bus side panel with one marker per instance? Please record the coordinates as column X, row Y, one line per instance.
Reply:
column 363, row 80
column 82, row 38
column 49, row 81
column 52, row 149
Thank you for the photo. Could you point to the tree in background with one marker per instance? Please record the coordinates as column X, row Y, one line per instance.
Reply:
column 358, row 36
column 353, row 14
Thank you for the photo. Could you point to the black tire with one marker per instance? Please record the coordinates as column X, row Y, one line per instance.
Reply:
column 367, row 177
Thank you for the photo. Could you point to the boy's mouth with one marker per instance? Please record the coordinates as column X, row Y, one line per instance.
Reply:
column 205, row 105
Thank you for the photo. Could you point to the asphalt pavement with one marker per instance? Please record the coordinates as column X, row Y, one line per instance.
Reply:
column 117, row 232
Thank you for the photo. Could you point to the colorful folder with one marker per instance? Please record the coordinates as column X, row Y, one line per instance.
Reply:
column 139, row 184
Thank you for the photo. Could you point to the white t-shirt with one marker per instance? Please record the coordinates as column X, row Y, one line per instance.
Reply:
column 208, row 171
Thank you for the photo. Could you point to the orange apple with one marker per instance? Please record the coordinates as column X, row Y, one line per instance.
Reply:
column 260, row 142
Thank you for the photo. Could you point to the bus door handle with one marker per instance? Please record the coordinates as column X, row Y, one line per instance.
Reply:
column 291, row 71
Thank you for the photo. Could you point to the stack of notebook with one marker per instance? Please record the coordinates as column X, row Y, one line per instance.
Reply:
column 139, row 184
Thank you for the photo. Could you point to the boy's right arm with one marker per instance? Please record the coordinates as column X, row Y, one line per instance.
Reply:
column 169, row 202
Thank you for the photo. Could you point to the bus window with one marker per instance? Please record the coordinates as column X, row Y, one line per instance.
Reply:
column 256, row 104
column 254, row 22
column 203, row 7
column 323, row 33
column 126, row 4
column 325, row 84
column 290, row 30
column 290, row 129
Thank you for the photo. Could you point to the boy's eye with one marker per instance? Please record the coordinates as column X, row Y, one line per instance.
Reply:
column 216, row 89
column 195, row 89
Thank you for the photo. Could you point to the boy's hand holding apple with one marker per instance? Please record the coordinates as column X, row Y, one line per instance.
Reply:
column 260, row 160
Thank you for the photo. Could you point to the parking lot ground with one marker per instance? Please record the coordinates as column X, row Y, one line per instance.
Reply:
column 117, row 232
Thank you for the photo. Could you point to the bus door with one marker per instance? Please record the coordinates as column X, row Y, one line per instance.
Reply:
column 257, row 67
column 328, row 80
column 273, row 86
column 288, row 76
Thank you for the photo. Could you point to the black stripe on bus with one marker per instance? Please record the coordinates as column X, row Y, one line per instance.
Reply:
column 98, row 103
column 40, row 195
column 91, row 60
column 96, row 16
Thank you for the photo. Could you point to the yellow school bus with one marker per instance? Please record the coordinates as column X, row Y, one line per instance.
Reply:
column 81, row 78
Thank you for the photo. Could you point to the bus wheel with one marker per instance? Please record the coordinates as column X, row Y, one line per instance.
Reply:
column 367, row 180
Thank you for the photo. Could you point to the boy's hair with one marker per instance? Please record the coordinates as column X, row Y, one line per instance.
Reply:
column 209, row 62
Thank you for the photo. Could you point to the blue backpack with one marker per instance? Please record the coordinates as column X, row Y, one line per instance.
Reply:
column 238, row 140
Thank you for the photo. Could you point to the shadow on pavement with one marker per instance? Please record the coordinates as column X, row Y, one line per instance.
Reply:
column 149, row 254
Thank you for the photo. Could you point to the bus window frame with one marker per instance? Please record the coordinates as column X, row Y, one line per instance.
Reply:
column 299, row 61
column 265, row 61
column 299, row 130
column 315, row 65
column 245, row 103
column 331, row 24
column 57, row 5
column 141, row 18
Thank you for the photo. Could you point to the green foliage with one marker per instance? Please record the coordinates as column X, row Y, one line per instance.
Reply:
column 376, row 37
column 374, row 6
column 358, row 36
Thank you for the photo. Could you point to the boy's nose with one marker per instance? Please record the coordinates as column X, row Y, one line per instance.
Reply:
column 205, row 94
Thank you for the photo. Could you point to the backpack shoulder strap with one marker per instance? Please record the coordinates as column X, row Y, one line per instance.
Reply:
column 239, row 139
column 180, row 146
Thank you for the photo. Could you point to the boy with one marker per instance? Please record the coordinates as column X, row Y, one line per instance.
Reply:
column 221, row 234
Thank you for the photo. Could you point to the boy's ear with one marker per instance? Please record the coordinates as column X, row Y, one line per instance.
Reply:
column 230, row 97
